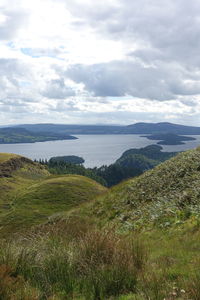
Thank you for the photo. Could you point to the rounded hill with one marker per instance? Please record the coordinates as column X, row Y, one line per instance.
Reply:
column 62, row 192
column 29, row 194
column 37, row 202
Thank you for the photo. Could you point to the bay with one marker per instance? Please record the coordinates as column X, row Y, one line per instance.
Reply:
column 97, row 150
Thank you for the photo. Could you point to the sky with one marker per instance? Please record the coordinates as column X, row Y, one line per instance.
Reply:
column 99, row 62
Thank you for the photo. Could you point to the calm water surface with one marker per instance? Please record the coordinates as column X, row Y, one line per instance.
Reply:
column 97, row 150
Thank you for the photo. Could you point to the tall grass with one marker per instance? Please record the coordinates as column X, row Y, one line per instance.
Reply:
column 93, row 264
column 74, row 260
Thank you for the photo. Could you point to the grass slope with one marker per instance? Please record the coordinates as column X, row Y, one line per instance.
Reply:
column 6, row 156
column 167, row 195
column 29, row 194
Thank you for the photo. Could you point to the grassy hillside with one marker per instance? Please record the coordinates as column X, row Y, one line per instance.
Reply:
column 6, row 156
column 138, row 241
column 29, row 194
column 165, row 196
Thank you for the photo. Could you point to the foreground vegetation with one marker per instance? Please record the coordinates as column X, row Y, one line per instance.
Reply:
column 76, row 260
column 137, row 241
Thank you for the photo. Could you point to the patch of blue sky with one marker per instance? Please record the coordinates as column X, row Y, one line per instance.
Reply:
column 37, row 53
column 24, row 83
column 30, row 52
column 10, row 45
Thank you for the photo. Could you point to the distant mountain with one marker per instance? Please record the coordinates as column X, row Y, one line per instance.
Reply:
column 164, row 127
column 73, row 129
column 138, row 128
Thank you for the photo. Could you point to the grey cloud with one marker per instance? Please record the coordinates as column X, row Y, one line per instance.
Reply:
column 167, row 39
column 69, row 106
column 189, row 102
column 162, row 41
column 14, row 98
column 165, row 30
column 12, row 68
column 121, row 78
column 56, row 89
column 12, row 71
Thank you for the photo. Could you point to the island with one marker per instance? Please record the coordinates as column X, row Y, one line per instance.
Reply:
column 71, row 159
column 169, row 138
column 11, row 135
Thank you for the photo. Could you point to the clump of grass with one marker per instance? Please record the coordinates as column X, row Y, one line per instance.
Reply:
column 13, row 286
column 8, row 282
column 107, row 264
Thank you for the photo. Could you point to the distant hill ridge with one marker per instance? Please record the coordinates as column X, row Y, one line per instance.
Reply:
column 162, row 127
column 138, row 128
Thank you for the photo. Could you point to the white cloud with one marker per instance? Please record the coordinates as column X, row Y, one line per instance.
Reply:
column 82, row 61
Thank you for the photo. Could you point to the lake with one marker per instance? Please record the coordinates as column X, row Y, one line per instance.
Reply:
column 97, row 150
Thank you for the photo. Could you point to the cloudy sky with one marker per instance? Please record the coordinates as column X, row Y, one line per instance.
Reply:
column 96, row 61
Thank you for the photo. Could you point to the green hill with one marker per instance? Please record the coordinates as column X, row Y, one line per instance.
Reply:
column 29, row 194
